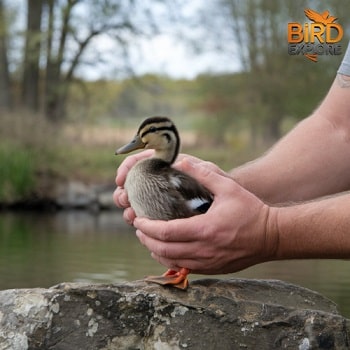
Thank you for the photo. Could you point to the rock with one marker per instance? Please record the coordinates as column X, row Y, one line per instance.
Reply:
column 105, row 199
column 211, row 314
column 76, row 194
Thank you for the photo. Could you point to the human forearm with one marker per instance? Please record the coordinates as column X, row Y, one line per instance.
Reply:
column 311, row 161
column 317, row 229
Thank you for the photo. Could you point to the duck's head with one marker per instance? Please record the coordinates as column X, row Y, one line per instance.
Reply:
column 158, row 133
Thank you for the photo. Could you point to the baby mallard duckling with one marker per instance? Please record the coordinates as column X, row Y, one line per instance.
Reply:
column 158, row 191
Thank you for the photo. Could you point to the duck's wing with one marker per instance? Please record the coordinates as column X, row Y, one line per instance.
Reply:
column 196, row 196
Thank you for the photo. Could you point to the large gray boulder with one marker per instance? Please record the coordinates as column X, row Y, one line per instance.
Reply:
column 211, row 314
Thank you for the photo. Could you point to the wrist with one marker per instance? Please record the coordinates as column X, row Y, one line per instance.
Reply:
column 312, row 230
column 272, row 234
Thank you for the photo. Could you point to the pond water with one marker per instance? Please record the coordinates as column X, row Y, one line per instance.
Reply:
column 41, row 250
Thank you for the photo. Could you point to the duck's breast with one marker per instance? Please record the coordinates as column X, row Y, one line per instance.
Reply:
column 153, row 193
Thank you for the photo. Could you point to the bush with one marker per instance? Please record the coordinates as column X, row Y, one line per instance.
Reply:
column 17, row 173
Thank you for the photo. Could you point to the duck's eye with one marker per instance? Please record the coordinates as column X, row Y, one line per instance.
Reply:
column 152, row 129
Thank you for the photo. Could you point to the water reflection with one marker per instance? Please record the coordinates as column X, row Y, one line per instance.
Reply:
column 41, row 250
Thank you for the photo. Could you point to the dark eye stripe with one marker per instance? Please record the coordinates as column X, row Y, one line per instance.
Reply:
column 151, row 130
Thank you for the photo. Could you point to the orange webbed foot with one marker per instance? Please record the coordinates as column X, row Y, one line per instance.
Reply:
column 177, row 279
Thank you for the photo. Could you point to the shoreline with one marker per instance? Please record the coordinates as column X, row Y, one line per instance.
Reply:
column 69, row 195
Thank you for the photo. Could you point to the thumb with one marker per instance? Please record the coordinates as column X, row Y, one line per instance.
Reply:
column 214, row 179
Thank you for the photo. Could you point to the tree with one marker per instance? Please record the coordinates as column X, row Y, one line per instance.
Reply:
column 58, row 41
column 62, row 63
column 81, row 22
column 5, row 86
column 278, row 85
column 31, row 71
column 259, row 26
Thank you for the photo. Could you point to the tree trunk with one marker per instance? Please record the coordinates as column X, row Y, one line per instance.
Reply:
column 5, row 84
column 31, row 71
column 52, row 68
column 55, row 85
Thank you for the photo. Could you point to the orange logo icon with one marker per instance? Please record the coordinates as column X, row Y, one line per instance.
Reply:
column 319, row 37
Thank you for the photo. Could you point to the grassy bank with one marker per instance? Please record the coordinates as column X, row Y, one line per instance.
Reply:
column 17, row 173
column 36, row 156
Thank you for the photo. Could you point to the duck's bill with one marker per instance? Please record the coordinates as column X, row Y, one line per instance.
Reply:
column 135, row 143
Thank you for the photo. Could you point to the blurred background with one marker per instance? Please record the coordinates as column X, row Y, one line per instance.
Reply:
column 77, row 78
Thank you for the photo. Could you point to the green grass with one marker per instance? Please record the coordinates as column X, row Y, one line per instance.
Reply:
column 17, row 173
column 80, row 162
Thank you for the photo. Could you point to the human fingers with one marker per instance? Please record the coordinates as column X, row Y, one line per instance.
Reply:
column 194, row 265
column 129, row 215
column 193, row 159
column 184, row 158
column 120, row 198
column 174, row 255
column 175, row 264
column 171, row 250
column 206, row 264
column 208, row 174
column 128, row 163
column 206, row 267
column 179, row 230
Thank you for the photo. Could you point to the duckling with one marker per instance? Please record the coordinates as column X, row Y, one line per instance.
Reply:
column 156, row 190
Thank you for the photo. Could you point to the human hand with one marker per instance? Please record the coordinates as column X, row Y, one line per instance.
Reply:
column 231, row 236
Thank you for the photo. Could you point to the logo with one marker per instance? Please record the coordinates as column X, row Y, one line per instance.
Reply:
column 319, row 37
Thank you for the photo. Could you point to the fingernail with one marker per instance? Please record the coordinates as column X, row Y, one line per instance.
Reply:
column 139, row 236
column 136, row 222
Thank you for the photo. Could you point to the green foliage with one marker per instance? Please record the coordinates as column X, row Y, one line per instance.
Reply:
column 27, row 147
column 276, row 85
column 88, row 163
column 17, row 173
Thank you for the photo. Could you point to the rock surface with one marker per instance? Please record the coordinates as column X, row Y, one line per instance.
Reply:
column 211, row 314
column 76, row 194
